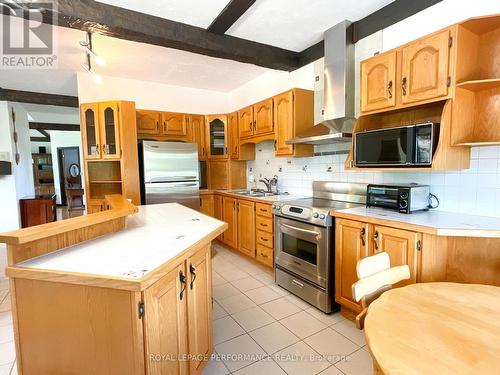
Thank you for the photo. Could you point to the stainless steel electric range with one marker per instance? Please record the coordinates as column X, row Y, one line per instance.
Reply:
column 304, row 241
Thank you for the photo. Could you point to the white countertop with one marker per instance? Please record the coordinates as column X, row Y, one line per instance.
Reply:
column 445, row 223
column 156, row 234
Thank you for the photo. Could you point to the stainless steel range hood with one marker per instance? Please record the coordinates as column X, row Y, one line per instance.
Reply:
column 339, row 109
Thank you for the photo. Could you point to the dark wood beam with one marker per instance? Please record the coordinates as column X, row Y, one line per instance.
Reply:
column 45, row 138
column 389, row 15
column 53, row 126
column 385, row 17
column 38, row 98
column 229, row 15
column 104, row 19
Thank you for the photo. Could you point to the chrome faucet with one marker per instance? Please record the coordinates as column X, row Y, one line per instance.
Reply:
column 266, row 182
column 270, row 183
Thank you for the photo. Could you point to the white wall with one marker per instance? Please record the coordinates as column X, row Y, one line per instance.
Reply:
column 23, row 172
column 20, row 183
column 270, row 84
column 152, row 95
column 64, row 139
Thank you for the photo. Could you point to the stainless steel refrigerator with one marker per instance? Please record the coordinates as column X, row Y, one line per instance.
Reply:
column 169, row 172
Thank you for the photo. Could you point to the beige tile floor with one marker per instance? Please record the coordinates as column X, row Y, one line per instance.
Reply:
column 259, row 328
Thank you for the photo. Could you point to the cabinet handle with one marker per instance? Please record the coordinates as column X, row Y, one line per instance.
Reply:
column 193, row 275
column 403, row 85
column 264, row 255
column 362, row 236
column 182, row 279
column 157, row 126
column 263, row 209
column 275, row 148
column 375, row 239
column 164, row 126
column 389, row 89
column 103, row 149
column 97, row 151
column 263, row 225
column 226, row 150
column 203, row 152
column 264, row 239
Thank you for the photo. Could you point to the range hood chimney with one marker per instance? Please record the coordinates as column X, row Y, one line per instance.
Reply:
column 338, row 112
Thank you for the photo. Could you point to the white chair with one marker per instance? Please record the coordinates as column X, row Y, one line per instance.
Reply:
column 375, row 276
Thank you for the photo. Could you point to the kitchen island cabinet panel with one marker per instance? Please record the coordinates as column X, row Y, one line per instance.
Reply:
column 69, row 329
column 199, row 305
column 165, row 324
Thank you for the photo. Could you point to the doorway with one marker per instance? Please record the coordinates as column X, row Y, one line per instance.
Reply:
column 69, row 172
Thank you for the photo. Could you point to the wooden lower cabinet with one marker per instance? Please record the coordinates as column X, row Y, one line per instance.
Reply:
column 178, row 318
column 100, row 330
column 230, row 216
column 246, row 227
column 355, row 240
column 199, row 304
column 401, row 245
column 165, row 324
column 207, row 204
column 351, row 245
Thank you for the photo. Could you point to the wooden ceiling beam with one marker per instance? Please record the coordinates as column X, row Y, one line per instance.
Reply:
column 229, row 15
column 384, row 17
column 53, row 126
column 389, row 15
column 109, row 20
column 38, row 98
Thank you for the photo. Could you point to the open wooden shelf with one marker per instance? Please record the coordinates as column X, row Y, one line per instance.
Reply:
column 480, row 84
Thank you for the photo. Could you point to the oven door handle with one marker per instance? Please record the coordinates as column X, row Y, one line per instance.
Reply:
column 301, row 230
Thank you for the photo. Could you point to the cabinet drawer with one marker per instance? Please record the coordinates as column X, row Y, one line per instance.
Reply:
column 265, row 238
column 264, row 255
column 264, row 223
column 264, row 210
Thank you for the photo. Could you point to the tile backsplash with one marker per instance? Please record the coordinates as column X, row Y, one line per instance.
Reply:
column 473, row 191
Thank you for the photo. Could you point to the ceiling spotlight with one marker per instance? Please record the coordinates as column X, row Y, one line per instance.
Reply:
column 99, row 60
column 95, row 77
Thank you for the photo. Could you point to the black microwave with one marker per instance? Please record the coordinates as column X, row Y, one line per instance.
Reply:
column 409, row 146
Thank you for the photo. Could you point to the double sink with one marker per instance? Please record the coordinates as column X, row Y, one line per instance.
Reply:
column 257, row 193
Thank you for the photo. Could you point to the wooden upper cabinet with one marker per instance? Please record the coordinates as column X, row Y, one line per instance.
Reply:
column 217, row 137
column 246, row 227
column 148, row 122
column 89, row 119
column 424, row 68
column 199, row 130
column 284, row 122
column 234, row 135
column 229, row 215
column 165, row 322
column 401, row 245
column 263, row 117
column 110, row 130
column 246, row 122
column 378, row 82
column 199, row 304
column 351, row 245
column 174, row 124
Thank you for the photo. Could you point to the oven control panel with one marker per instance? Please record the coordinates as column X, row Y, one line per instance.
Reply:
column 303, row 213
column 306, row 214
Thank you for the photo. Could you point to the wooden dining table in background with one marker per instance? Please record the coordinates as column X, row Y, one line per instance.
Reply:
column 435, row 328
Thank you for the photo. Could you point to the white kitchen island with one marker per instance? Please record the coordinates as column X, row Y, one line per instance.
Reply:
column 113, row 293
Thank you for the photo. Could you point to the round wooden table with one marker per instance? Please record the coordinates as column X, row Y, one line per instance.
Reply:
column 435, row 328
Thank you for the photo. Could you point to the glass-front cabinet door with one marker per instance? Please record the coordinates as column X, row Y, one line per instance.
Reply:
column 217, row 136
column 90, row 130
column 110, row 131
